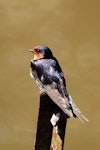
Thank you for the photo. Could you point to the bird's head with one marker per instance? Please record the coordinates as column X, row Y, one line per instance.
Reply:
column 41, row 52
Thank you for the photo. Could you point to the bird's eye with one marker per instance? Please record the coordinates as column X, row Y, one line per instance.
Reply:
column 38, row 50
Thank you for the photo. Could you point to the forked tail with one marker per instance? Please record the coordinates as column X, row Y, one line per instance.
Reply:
column 76, row 111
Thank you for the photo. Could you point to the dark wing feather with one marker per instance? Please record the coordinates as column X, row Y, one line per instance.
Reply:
column 57, row 98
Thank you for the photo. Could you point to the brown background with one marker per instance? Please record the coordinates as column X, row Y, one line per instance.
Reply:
column 72, row 30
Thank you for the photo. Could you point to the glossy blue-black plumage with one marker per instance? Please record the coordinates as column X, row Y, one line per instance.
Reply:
column 49, row 71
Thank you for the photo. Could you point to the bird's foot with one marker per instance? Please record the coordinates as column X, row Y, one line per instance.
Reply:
column 42, row 93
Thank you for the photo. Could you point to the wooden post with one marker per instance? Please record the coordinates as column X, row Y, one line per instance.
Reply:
column 57, row 142
column 47, row 136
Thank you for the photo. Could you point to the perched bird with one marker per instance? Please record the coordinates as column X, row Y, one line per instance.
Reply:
column 45, row 69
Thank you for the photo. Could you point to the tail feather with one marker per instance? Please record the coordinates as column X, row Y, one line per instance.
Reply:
column 77, row 111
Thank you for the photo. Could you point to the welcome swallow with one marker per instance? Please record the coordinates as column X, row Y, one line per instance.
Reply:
column 48, row 74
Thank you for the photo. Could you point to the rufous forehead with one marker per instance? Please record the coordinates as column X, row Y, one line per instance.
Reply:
column 36, row 47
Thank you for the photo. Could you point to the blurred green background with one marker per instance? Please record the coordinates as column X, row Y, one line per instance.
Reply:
column 71, row 29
